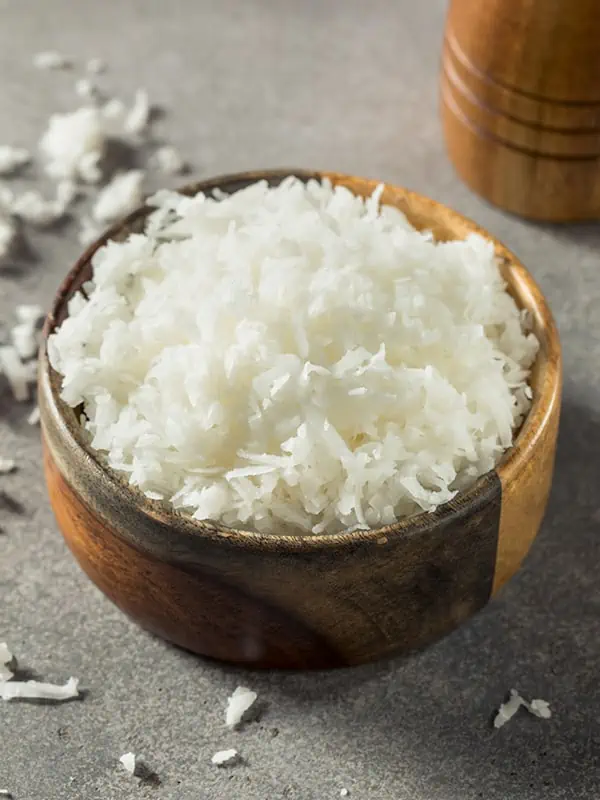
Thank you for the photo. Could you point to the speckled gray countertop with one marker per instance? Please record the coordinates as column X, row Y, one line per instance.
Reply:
column 350, row 86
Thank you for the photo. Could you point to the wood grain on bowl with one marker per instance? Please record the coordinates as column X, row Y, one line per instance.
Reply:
column 305, row 601
column 520, row 99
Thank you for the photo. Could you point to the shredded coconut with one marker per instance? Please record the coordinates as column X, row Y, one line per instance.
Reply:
column 7, row 465
column 128, row 760
column 168, row 160
column 15, row 372
column 121, row 196
column 12, row 159
column 34, row 416
column 51, row 59
column 32, row 207
column 539, row 708
column 7, row 661
column 8, row 234
column 225, row 757
column 73, row 145
column 138, row 118
column 95, row 66
column 220, row 354
column 34, row 690
column 238, row 704
column 344, row 792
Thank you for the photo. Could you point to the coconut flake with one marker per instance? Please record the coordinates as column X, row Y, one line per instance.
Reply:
column 7, row 465
column 121, row 196
column 34, row 416
column 8, row 234
column 138, row 118
column 238, row 704
column 128, row 760
column 35, row 690
column 29, row 314
column 15, row 373
column 344, row 792
column 96, row 66
column 223, row 757
column 168, row 160
column 539, row 708
column 113, row 109
column 51, row 59
column 73, row 145
column 86, row 89
column 7, row 661
column 12, row 159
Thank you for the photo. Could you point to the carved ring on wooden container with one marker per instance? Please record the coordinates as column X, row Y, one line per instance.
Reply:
column 305, row 601
column 520, row 104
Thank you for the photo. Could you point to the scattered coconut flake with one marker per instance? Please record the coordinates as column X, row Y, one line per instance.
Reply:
column 7, row 660
column 121, row 196
column 138, row 117
column 8, row 233
column 34, row 690
column 128, row 762
column 223, row 757
column 24, row 340
column 12, row 159
column 86, row 89
column 96, row 66
column 29, row 314
column 113, row 109
column 168, row 160
column 344, row 792
column 539, row 708
column 7, row 465
column 238, row 704
column 6, row 793
column 73, row 144
column 32, row 207
column 51, row 59
column 34, row 416
column 89, row 231
column 15, row 372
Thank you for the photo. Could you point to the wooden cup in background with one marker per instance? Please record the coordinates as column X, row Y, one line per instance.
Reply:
column 520, row 100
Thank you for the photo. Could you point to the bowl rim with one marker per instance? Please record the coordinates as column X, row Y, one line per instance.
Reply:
column 519, row 281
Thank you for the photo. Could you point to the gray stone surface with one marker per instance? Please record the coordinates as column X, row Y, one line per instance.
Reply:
column 313, row 83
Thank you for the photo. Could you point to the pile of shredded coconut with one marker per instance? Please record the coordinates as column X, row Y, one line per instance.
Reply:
column 296, row 356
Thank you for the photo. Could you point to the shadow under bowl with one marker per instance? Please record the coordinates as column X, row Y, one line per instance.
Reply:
column 284, row 601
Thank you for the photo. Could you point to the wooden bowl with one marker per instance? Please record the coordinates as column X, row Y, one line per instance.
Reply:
column 305, row 601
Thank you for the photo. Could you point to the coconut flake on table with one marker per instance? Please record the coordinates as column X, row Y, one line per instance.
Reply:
column 87, row 89
column 51, row 59
column 344, row 792
column 7, row 662
column 223, row 757
column 128, row 760
column 220, row 354
column 238, row 704
column 8, row 235
column 96, row 66
column 34, row 416
column 12, row 159
column 168, row 160
column 118, row 198
column 7, row 465
column 16, row 373
column 36, row 690
column 32, row 207
column 74, row 144
column 138, row 118
column 539, row 708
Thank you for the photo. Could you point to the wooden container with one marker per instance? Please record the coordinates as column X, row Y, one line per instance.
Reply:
column 520, row 104
column 305, row 601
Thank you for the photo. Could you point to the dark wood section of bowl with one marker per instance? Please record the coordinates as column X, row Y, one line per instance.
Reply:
column 330, row 607
column 299, row 601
